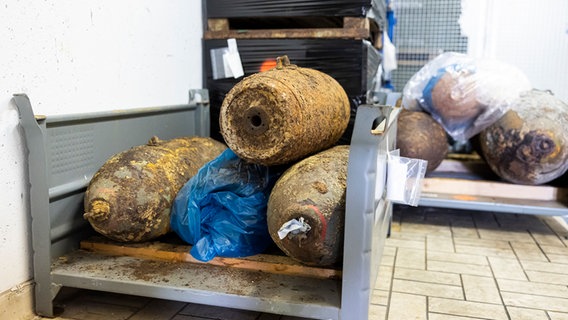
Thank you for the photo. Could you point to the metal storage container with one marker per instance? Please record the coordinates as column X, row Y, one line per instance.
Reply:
column 64, row 153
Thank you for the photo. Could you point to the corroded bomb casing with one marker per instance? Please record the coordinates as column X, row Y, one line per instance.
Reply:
column 129, row 198
column 284, row 114
column 311, row 192
column 529, row 144
column 420, row 136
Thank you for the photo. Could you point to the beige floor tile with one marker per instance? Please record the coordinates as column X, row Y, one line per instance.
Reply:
column 377, row 312
column 464, row 232
column 535, row 288
column 558, row 316
column 535, row 302
column 411, row 258
column 158, row 309
column 427, row 289
column 555, row 249
column 558, row 258
column 467, row 308
column 407, row 306
column 485, row 251
column 504, row 268
column 547, row 277
column 389, row 251
column 516, row 313
column 380, row 297
column 481, row 289
column 483, row 243
column 404, row 243
column 545, row 267
column 427, row 276
column 395, row 226
column 424, row 228
column 506, row 235
column 444, row 244
column 464, row 228
column 528, row 251
column 461, row 268
column 387, row 260
column 384, row 278
column 457, row 257
column 559, row 225
column 549, row 239
column 440, row 316
column 408, row 236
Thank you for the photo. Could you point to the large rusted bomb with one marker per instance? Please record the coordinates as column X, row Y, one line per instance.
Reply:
column 284, row 114
column 529, row 144
column 420, row 136
column 308, row 201
column 129, row 198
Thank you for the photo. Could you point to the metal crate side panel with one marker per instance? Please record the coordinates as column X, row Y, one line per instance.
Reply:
column 63, row 154
column 367, row 212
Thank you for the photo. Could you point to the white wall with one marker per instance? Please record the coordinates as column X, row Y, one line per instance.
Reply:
column 532, row 35
column 74, row 56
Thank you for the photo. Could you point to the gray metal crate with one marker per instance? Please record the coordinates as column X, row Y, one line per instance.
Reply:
column 65, row 151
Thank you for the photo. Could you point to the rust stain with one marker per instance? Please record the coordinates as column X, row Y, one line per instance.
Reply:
column 464, row 197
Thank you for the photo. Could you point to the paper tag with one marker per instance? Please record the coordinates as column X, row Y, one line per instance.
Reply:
column 404, row 178
column 226, row 62
column 234, row 59
column 293, row 226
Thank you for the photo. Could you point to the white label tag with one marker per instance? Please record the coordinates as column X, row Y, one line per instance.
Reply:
column 233, row 59
column 293, row 226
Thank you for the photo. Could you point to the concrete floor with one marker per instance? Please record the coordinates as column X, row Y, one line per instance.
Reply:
column 437, row 264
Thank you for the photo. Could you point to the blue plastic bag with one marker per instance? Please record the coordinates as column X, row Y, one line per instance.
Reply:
column 221, row 211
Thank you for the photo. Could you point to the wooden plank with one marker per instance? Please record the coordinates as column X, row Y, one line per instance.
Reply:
column 353, row 28
column 493, row 189
column 217, row 24
column 176, row 253
column 327, row 33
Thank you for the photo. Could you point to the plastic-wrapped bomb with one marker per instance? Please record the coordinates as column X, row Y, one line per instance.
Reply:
column 529, row 145
column 463, row 94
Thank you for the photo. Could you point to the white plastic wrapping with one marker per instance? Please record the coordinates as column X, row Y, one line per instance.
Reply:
column 529, row 144
column 463, row 94
column 404, row 178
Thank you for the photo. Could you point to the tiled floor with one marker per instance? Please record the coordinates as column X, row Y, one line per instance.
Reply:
column 437, row 264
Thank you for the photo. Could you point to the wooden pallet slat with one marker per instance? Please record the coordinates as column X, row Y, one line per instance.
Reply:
column 180, row 253
column 352, row 28
column 469, row 177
